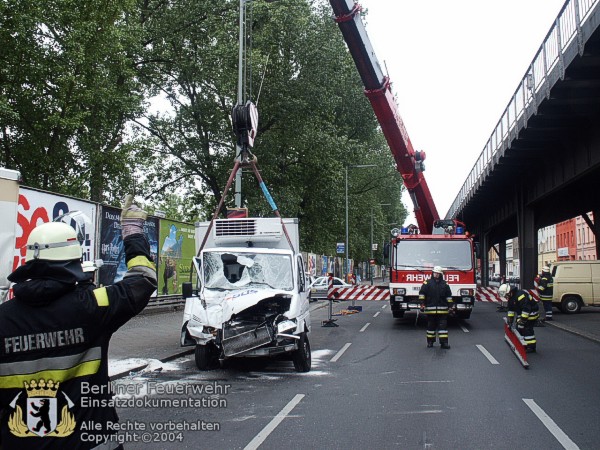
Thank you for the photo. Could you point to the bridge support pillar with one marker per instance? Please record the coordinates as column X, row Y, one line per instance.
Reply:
column 484, row 251
column 527, row 246
column 502, row 258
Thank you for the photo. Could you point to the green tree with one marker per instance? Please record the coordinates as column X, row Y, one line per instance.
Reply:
column 314, row 118
column 67, row 90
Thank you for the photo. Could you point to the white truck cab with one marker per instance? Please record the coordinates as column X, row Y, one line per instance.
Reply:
column 250, row 298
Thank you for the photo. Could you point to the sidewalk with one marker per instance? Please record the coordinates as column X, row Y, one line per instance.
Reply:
column 585, row 324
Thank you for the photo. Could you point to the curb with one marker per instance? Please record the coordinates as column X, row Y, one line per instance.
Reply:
column 575, row 332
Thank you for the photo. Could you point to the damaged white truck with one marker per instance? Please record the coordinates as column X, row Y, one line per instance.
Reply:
column 250, row 295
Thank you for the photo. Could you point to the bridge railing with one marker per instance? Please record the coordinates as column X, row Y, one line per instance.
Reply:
column 547, row 67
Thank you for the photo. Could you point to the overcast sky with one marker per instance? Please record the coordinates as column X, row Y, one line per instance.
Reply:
column 454, row 65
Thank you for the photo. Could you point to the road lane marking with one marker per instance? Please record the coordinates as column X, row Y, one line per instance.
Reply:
column 266, row 431
column 377, row 313
column 383, row 307
column 487, row 354
column 341, row 352
column 365, row 327
column 559, row 434
column 462, row 327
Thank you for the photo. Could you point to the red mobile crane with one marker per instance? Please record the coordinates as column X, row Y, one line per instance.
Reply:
column 415, row 251
column 378, row 90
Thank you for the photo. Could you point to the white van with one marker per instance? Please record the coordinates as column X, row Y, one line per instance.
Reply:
column 576, row 284
column 251, row 296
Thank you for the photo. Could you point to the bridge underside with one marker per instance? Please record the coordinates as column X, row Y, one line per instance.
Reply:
column 549, row 171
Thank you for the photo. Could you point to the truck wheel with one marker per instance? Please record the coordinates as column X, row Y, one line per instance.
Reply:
column 397, row 314
column 570, row 305
column 206, row 357
column 301, row 357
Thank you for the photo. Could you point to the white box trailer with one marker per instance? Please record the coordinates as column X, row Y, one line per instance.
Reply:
column 9, row 200
column 251, row 295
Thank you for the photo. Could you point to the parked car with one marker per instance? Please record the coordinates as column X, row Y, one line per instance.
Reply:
column 514, row 280
column 318, row 289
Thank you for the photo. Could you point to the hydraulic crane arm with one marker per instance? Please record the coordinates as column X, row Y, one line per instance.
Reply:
column 379, row 93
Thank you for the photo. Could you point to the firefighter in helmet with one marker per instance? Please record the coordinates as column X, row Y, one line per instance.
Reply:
column 545, row 290
column 525, row 309
column 435, row 297
column 55, row 334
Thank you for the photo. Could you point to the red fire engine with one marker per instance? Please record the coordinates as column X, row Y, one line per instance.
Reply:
column 443, row 242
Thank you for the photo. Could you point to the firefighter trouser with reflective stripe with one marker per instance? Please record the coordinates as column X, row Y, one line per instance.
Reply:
column 437, row 322
column 547, row 308
column 526, row 330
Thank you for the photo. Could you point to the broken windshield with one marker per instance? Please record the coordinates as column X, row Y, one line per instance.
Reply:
column 233, row 270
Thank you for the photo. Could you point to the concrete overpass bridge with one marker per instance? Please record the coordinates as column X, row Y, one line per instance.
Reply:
column 541, row 165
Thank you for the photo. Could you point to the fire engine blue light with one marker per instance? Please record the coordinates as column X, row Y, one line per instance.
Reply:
column 404, row 230
column 460, row 230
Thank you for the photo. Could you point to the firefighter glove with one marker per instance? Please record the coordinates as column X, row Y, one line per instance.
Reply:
column 132, row 218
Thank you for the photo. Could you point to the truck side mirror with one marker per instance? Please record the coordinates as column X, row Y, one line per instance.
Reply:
column 386, row 250
column 187, row 289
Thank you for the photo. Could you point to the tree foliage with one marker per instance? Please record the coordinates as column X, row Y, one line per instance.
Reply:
column 67, row 91
column 101, row 97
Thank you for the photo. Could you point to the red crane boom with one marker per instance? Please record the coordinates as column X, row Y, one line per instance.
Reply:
column 377, row 89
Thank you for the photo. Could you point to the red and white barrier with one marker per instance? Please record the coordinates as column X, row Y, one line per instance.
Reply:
column 359, row 293
column 487, row 294
column 490, row 294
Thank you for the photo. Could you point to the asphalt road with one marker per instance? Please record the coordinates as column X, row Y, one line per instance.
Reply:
column 374, row 384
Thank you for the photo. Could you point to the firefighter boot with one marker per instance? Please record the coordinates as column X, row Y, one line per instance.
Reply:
column 530, row 349
column 445, row 345
column 430, row 343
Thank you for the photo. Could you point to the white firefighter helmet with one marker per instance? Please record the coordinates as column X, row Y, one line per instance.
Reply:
column 504, row 290
column 438, row 269
column 546, row 269
column 53, row 241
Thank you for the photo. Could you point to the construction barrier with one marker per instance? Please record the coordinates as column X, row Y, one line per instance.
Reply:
column 359, row 292
column 490, row 294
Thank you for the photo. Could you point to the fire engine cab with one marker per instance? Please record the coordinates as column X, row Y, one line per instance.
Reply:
column 413, row 257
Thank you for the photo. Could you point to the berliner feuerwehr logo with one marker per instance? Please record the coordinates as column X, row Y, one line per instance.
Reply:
column 42, row 406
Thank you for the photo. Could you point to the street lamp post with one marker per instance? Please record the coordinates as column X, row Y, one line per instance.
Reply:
column 370, row 266
column 352, row 166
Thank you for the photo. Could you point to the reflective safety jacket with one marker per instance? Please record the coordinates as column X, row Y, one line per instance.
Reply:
column 523, row 306
column 436, row 295
column 546, row 286
column 54, row 336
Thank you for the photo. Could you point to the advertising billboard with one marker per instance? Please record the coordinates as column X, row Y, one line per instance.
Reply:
column 112, row 251
column 37, row 207
column 177, row 248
